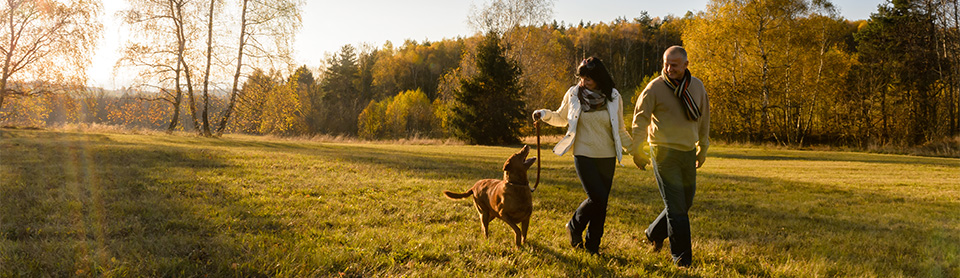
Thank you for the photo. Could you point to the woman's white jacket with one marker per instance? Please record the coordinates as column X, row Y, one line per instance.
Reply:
column 569, row 113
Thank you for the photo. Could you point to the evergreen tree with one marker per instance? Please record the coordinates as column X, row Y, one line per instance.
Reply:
column 341, row 100
column 489, row 109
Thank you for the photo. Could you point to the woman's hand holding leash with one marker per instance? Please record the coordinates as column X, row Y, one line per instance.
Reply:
column 537, row 115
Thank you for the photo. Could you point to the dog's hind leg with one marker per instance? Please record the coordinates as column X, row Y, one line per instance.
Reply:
column 485, row 219
column 484, row 223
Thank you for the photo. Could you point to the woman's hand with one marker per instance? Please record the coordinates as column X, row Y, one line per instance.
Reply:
column 537, row 115
column 641, row 160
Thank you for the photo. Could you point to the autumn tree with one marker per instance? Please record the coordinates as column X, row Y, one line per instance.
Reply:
column 304, row 85
column 251, row 101
column 632, row 49
column 897, row 43
column 499, row 16
column 282, row 111
column 768, row 64
column 548, row 63
column 371, row 123
column 946, row 26
column 414, row 65
column 767, row 22
column 46, row 44
column 27, row 111
column 162, row 49
column 407, row 114
column 266, row 28
column 208, row 53
column 950, row 21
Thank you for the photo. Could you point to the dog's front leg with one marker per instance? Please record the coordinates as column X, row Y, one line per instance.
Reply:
column 524, row 227
column 517, row 232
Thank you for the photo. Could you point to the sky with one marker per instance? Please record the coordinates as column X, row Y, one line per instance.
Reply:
column 329, row 25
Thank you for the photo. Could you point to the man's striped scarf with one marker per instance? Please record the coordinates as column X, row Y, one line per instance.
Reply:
column 680, row 89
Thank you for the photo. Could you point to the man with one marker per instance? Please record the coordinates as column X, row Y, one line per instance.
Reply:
column 673, row 115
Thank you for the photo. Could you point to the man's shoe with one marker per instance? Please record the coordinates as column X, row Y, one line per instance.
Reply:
column 593, row 251
column 657, row 244
column 681, row 263
column 575, row 240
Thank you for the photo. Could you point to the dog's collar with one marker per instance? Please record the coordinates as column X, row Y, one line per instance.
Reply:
column 519, row 184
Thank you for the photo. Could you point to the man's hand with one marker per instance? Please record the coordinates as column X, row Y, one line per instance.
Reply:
column 641, row 160
column 700, row 160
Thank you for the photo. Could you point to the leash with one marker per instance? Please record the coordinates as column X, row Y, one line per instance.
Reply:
column 536, row 126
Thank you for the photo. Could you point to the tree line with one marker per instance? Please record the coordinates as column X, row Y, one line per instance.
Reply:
column 796, row 72
column 787, row 71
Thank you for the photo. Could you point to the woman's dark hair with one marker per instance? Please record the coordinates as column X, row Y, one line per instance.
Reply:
column 594, row 69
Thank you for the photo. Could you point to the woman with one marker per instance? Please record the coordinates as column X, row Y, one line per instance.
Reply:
column 592, row 112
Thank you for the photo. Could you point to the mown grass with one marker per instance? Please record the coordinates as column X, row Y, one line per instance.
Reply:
column 105, row 204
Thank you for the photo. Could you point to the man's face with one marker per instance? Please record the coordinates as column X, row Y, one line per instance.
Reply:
column 675, row 65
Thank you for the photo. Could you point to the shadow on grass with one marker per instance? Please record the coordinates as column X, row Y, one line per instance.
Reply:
column 781, row 220
column 814, row 156
column 429, row 164
column 78, row 205
column 771, row 225
column 231, row 142
column 848, row 229
column 96, row 206
column 572, row 266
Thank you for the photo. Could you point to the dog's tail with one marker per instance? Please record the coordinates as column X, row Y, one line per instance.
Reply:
column 454, row 195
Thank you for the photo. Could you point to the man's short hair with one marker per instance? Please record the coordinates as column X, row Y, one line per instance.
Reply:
column 676, row 49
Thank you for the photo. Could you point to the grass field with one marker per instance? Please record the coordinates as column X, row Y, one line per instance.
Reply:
column 104, row 204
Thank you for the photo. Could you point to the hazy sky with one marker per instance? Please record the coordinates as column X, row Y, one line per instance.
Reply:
column 328, row 25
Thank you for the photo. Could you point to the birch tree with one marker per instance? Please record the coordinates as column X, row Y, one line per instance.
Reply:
column 500, row 16
column 266, row 30
column 159, row 51
column 45, row 43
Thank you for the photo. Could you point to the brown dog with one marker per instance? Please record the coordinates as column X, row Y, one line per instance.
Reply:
column 508, row 199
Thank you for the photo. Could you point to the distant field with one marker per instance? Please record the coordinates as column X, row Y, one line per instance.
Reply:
column 89, row 204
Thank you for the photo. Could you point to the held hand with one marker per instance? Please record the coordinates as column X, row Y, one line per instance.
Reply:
column 537, row 115
column 700, row 160
column 641, row 161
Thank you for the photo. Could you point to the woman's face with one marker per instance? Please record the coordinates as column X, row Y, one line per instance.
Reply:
column 588, row 82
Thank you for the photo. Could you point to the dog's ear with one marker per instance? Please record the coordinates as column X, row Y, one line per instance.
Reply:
column 505, row 164
column 529, row 162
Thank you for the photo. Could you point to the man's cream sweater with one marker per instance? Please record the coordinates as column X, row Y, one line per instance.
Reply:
column 660, row 118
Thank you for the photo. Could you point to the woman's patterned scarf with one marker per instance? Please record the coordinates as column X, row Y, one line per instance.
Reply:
column 590, row 100
column 680, row 89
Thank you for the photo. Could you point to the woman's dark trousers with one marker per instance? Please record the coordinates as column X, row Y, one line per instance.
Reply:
column 596, row 176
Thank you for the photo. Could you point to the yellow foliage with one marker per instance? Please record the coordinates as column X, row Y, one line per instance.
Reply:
column 767, row 64
column 403, row 115
column 281, row 112
column 25, row 111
